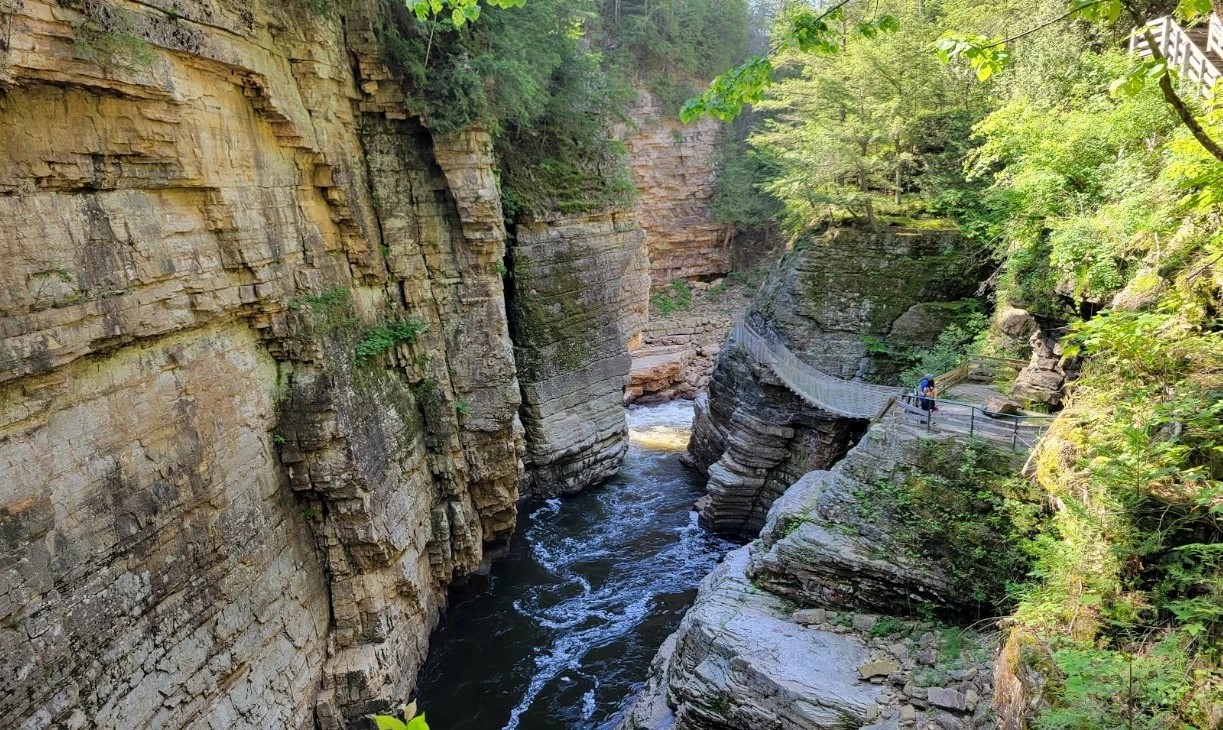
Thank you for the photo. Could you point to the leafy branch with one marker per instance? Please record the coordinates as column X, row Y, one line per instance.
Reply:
column 745, row 84
column 988, row 56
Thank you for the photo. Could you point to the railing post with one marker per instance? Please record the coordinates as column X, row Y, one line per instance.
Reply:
column 1015, row 435
column 972, row 420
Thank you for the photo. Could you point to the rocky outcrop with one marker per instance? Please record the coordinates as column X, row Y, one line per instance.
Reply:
column 745, row 658
column 677, row 355
column 580, row 293
column 739, row 661
column 1011, row 329
column 752, row 436
column 1042, row 380
column 835, row 292
column 258, row 403
column 673, row 168
column 818, row 547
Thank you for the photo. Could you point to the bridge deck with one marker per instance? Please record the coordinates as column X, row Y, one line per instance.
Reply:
column 855, row 399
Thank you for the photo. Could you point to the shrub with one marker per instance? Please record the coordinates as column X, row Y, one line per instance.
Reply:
column 380, row 338
column 675, row 298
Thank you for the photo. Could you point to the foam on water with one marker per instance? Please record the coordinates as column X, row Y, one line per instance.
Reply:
column 595, row 583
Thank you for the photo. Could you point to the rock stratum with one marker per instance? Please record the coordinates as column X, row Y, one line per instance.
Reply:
column 672, row 165
column 262, row 398
column 799, row 629
column 825, row 300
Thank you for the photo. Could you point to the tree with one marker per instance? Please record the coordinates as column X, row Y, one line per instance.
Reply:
column 816, row 32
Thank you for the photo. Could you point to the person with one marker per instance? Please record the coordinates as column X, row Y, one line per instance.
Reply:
column 926, row 392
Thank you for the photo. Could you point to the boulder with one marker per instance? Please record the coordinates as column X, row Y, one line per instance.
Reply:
column 878, row 669
column 997, row 405
column 946, row 698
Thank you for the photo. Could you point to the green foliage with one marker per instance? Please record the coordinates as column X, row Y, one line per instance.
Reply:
column 954, row 344
column 739, row 195
column 1076, row 186
column 670, row 46
column 410, row 720
column 530, row 76
column 675, row 298
column 1131, row 593
column 714, row 293
column 852, row 132
column 819, row 31
column 317, row 7
column 328, row 310
column 887, row 626
column 462, row 408
column 457, row 12
column 380, row 338
column 114, row 39
column 963, row 510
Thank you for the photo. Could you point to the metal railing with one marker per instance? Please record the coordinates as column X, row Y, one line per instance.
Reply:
column 1020, row 431
column 855, row 399
column 1182, row 51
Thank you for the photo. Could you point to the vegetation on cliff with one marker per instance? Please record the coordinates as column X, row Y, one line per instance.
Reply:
column 550, row 78
column 1100, row 208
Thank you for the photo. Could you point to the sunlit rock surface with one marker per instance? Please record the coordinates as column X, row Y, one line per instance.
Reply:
column 673, row 168
column 213, row 515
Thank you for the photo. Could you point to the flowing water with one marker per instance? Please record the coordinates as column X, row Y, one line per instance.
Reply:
column 590, row 588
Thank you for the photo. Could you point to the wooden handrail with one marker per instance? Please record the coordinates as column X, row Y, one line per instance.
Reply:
column 1180, row 50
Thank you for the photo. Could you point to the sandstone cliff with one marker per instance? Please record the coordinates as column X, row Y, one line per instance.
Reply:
column 259, row 400
column 673, row 168
column 752, row 436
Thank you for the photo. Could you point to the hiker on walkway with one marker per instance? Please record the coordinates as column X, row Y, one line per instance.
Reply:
column 926, row 392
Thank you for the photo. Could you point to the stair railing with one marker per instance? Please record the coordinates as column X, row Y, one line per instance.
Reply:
column 1181, row 51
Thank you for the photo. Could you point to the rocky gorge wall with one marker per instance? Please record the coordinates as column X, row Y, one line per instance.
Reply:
column 580, row 294
column 752, row 436
column 672, row 165
column 810, row 626
column 259, row 401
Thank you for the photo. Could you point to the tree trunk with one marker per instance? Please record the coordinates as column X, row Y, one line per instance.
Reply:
column 1178, row 104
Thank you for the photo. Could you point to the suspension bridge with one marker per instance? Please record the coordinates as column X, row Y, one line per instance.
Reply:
column 856, row 399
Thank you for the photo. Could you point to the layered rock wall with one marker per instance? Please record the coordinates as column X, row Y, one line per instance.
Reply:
column 579, row 295
column 745, row 658
column 673, row 168
column 213, row 512
column 676, row 357
column 825, row 300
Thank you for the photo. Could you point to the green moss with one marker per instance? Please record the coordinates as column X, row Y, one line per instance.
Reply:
column 675, row 298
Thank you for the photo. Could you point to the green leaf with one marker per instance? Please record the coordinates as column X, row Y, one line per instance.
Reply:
column 388, row 722
column 1188, row 9
column 418, row 723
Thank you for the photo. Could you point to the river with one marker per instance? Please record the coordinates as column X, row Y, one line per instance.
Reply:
column 591, row 587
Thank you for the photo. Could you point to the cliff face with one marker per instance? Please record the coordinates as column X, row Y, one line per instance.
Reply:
column 744, row 658
column 212, row 512
column 580, row 292
column 752, row 435
column 673, row 168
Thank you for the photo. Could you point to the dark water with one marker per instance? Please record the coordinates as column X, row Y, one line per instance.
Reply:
column 591, row 587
